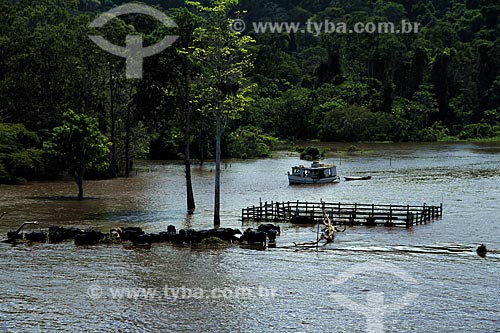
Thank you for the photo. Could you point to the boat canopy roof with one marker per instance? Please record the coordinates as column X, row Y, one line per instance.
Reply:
column 315, row 166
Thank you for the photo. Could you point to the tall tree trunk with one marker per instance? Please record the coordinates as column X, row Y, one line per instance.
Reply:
column 201, row 143
column 112, row 165
column 217, row 173
column 187, row 160
column 127, row 144
column 186, row 89
column 128, row 121
column 191, row 206
column 79, row 182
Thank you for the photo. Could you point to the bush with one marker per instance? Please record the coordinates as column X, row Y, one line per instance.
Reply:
column 434, row 133
column 310, row 153
column 249, row 142
column 352, row 149
column 478, row 131
column 19, row 156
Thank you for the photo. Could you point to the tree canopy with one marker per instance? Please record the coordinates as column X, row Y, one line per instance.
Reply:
column 443, row 81
column 79, row 146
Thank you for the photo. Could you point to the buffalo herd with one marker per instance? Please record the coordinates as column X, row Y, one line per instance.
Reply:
column 264, row 234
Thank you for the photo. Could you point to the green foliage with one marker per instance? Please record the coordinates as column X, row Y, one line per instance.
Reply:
column 224, row 58
column 222, row 88
column 353, row 149
column 310, row 153
column 249, row 142
column 19, row 152
column 141, row 148
column 79, row 145
column 163, row 145
column 443, row 75
column 400, row 87
column 479, row 131
column 434, row 133
column 291, row 112
column 356, row 123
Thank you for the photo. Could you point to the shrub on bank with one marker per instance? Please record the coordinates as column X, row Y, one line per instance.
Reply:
column 310, row 153
column 249, row 142
column 479, row 131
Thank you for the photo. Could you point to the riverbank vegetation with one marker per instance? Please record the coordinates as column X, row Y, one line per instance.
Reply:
column 440, row 83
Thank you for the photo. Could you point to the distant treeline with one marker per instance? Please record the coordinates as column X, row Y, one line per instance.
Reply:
column 442, row 82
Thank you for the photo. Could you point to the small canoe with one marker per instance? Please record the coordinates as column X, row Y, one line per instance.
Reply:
column 358, row 178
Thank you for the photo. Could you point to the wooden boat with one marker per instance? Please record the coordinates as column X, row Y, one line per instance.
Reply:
column 358, row 178
column 317, row 173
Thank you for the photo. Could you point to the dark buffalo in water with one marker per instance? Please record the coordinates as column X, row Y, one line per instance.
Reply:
column 271, row 234
column 60, row 234
column 14, row 235
column 268, row 227
column 225, row 234
column 88, row 237
column 251, row 236
column 36, row 237
column 130, row 233
column 138, row 237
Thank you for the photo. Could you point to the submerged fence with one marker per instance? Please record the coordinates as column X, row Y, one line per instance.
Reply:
column 342, row 213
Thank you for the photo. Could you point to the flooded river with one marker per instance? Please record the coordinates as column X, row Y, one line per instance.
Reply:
column 424, row 279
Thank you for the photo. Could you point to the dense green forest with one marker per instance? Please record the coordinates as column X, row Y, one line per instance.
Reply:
column 443, row 82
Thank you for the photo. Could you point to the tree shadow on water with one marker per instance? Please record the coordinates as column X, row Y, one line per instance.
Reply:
column 61, row 198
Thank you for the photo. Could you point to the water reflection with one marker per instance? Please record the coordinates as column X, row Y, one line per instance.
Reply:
column 187, row 221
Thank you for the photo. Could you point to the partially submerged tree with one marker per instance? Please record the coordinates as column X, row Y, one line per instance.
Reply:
column 224, row 58
column 173, row 76
column 188, row 68
column 79, row 145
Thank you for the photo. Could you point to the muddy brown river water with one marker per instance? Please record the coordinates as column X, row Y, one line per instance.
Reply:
column 424, row 279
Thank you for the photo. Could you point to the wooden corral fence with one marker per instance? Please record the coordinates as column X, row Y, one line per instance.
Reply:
column 342, row 213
